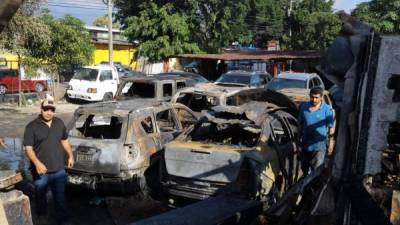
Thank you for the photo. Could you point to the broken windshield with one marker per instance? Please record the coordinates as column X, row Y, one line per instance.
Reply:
column 86, row 74
column 97, row 127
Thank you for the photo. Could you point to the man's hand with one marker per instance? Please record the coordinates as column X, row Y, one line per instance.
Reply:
column 40, row 168
column 71, row 162
column 2, row 143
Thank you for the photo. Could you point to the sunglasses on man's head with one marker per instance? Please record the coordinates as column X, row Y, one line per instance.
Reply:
column 48, row 108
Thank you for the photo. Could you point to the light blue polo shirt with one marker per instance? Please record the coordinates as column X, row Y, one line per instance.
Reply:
column 315, row 126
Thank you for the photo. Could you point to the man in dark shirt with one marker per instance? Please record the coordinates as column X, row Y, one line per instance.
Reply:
column 46, row 145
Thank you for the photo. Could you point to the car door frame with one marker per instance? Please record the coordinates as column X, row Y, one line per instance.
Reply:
column 110, row 85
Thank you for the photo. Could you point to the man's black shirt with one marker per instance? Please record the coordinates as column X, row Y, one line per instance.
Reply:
column 46, row 142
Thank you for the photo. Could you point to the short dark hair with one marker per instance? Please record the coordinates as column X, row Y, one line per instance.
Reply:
column 317, row 91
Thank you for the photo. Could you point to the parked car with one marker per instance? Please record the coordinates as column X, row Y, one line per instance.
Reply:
column 197, row 78
column 205, row 96
column 299, row 95
column 295, row 80
column 247, row 150
column 9, row 82
column 157, row 87
column 113, row 142
column 93, row 83
column 238, row 78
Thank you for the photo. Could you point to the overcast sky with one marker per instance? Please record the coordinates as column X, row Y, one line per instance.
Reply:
column 88, row 10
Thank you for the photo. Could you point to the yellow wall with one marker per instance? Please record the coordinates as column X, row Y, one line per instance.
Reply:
column 121, row 53
column 12, row 60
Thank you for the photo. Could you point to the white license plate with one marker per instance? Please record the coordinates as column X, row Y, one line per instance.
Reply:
column 81, row 157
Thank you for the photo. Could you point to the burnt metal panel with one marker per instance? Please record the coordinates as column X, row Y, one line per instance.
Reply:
column 202, row 161
column 212, row 211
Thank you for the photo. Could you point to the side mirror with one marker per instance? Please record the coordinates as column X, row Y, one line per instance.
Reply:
column 101, row 79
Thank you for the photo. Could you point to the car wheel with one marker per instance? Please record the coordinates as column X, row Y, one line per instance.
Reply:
column 39, row 87
column 3, row 89
column 108, row 97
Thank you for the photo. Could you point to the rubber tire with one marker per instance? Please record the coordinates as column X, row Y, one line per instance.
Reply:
column 3, row 89
column 39, row 87
column 107, row 97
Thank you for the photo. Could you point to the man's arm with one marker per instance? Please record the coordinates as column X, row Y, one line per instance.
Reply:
column 331, row 131
column 40, row 167
column 67, row 148
column 331, row 141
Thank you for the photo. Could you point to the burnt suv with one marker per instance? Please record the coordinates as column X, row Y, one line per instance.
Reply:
column 113, row 142
column 156, row 87
column 246, row 150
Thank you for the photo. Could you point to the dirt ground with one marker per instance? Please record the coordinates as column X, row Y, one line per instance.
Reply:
column 85, row 208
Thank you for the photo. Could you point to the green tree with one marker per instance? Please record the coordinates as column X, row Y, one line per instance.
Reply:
column 213, row 24
column 313, row 25
column 160, row 33
column 70, row 44
column 23, row 34
column 383, row 15
column 102, row 21
column 266, row 19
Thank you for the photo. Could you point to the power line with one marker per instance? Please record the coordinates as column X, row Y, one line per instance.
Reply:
column 76, row 6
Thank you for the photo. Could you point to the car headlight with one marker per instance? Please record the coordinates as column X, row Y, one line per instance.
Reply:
column 91, row 90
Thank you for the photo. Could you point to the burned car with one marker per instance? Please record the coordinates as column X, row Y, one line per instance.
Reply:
column 246, row 150
column 156, row 87
column 112, row 142
column 208, row 95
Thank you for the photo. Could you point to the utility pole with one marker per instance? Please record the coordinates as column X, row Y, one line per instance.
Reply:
column 110, row 33
column 290, row 19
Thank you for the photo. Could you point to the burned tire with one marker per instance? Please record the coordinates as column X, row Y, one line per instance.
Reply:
column 39, row 87
column 107, row 97
column 3, row 89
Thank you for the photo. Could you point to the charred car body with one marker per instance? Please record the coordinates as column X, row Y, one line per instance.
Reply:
column 113, row 142
column 156, row 87
column 248, row 150
column 205, row 96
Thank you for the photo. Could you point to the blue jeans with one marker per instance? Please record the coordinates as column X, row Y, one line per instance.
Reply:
column 56, row 181
column 311, row 160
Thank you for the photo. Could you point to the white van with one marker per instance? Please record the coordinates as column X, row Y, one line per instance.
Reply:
column 94, row 83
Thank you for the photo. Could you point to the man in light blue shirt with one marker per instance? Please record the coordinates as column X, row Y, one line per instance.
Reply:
column 317, row 130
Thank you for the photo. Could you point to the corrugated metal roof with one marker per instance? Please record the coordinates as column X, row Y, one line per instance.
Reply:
column 257, row 55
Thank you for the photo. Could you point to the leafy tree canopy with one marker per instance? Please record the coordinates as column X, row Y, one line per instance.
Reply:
column 383, row 15
column 266, row 20
column 70, row 43
column 160, row 32
column 214, row 24
column 102, row 21
column 313, row 24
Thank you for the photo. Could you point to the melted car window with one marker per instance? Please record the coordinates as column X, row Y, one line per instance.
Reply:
column 197, row 102
column 97, row 126
column 147, row 125
column 138, row 90
column 165, row 121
